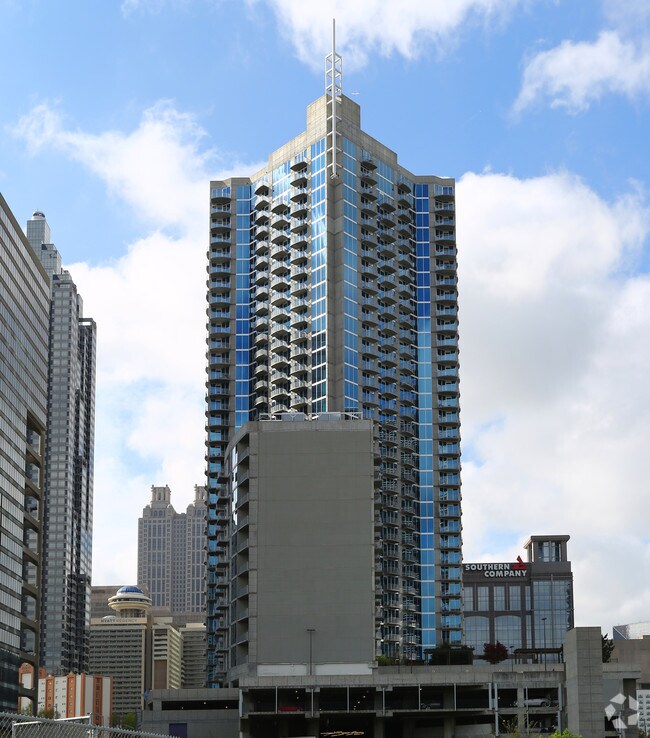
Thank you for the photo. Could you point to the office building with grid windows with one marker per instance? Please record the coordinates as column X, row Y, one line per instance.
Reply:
column 526, row 605
column 171, row 554
column 69, row 467
column 332, row 287
column 24, row 329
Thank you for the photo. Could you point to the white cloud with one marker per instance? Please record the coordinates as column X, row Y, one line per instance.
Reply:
column 574, row 75
column 555, row 327
column 365, row 27
column 632, row 16
column 159, row 168
column 149, row 305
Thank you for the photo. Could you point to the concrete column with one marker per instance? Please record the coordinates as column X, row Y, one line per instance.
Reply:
column 584, row 682
column 409, row 728
column 379, row 728
column 449, row 726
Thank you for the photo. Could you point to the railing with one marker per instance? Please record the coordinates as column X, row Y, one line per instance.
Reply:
column 26, row 726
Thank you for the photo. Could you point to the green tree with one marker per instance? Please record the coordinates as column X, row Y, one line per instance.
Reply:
column 566, row 733
column 50, row 713
column 386, row 660
column 528, row 728
column 608, row 648
column 127, row 720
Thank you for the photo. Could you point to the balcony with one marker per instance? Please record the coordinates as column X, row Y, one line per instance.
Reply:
column 299, row 277
column 282, row 238
column 300, row 320
column 368, row 178
column 443, row 266
column 299, row 335
column 280, row 330
column 261, row 232
column 261, row 354
column 405, row 199
column 451, row 341
column 262, row 292
column 385, row 280
column 299, row 194
column 385, row 204
column 299, row 367
column 280, row 282
column 281, row 298
column 262, row 188
column 387, row 265
column 261, row 247
column 299, row 208
column 299, row 255
column 280, row 268
column 387, row 296
column 299, row 180
column 368, row 191
column 280, row 204
column 280, row 221
column 300, row 164
column 386, row 221
column 387, row 359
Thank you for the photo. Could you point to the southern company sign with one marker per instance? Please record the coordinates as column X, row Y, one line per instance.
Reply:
column 516, row 569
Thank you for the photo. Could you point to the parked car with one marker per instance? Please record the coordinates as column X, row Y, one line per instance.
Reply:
column 532, row 702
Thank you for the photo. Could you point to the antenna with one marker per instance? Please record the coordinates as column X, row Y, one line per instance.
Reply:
column 333, row 88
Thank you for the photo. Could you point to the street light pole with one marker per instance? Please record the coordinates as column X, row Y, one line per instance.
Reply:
column 311, row 632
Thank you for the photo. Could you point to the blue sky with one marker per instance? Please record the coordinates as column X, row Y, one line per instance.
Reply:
column 115, row 115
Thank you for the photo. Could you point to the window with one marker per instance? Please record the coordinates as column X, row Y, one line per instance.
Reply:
column 499, row 597
column 483, row 598
column 515, row 597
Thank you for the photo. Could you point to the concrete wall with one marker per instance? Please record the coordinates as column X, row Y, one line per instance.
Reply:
column 584, row 682
column 196, row 713
column 315, row 543
column 635, row 651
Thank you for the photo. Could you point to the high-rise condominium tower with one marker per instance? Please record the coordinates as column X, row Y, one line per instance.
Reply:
column 24, row 309
column 69, row 453
column 171, row 552
column 332, row 288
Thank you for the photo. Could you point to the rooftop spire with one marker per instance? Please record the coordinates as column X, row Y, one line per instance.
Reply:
column 333, row 88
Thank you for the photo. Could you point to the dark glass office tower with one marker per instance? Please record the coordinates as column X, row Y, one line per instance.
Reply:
column 69, row 453
column 332, row 288
column 24, row 310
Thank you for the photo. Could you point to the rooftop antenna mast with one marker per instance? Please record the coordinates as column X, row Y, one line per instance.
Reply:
column 333, row 88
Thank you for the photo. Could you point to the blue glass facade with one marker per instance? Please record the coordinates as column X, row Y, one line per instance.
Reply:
column 243, row 307
column 350, row 279
column 425, row 418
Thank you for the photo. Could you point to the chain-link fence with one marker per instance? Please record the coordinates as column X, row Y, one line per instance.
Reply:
column 26, row 726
